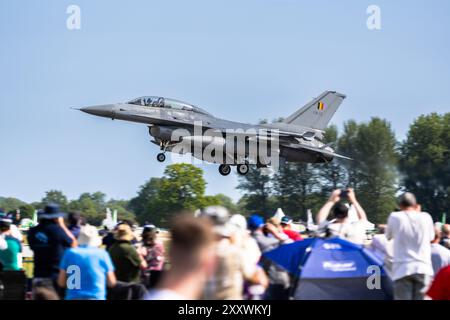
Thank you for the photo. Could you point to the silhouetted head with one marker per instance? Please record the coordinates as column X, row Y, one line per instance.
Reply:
column 74, row 218
column 407, row 200
column 191, row 243
column 340, row 210
column 149, row 238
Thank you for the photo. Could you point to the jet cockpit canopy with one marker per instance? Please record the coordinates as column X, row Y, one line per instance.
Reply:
column 161, row 102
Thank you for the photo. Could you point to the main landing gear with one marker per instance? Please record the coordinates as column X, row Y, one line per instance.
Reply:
column 242, row 169
column 161, row 157
column 225, row 169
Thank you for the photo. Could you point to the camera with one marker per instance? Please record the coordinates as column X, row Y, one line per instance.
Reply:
column 344, row 194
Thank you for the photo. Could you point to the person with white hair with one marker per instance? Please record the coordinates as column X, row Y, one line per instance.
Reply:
column 242, row 239
column 445, row 235
column 440, row 255
column 86, row 271
column 250, row 255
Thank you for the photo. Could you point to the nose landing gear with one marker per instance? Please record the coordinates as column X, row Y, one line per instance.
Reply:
column 161, row 157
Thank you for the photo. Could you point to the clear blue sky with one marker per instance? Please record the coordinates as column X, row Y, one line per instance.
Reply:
column 242, row 60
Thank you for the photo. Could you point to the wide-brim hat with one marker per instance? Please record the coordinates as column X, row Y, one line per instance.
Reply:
column 224, row 230
column 5, row 219
column 51, row 211
column 239, row 222
column 89, row 236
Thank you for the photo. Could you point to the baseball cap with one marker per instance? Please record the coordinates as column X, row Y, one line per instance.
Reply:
column 286, row 220
column 255, row 221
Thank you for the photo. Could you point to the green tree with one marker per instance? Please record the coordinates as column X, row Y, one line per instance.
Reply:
column 97, row 199
column 9, row 204
column 293, row 185
column 425, row 164
column 332, row 175
column 346, row 145
column 256, row 187
column 122, row 212
column 181, row 189
column 147, row 193
column 226, row 202
column 88, row 209
column 57, row 197
column 93, row 207
column 373, row 171
column 207, row 201
column 27, row 211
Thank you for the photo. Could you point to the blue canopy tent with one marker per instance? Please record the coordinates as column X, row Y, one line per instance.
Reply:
column 332, row 269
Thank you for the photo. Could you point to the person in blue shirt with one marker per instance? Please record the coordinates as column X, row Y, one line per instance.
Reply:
column 86, row 271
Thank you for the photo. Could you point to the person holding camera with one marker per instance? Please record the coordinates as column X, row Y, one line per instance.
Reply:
column 339, row 204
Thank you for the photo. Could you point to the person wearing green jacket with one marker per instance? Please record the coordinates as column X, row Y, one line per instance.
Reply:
column 125, row 257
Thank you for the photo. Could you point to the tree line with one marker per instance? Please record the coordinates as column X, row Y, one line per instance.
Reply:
column 381, row 167
column 182, row 188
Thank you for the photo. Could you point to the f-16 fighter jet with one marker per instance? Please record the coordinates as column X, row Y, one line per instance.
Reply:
column 181, row 128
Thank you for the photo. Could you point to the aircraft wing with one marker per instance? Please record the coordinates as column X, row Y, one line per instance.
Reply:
column 259, row 132
column 316, row 149
column 291, row 140
column 267, row 134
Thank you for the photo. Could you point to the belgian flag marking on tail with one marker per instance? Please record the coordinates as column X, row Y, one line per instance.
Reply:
column 320, row 105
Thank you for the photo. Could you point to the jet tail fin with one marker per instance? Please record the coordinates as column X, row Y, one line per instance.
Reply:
column 317, row 113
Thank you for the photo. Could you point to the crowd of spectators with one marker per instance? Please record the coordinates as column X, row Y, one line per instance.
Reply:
column 213, row 254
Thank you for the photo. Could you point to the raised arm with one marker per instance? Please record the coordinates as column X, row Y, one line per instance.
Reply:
column 359, row 210
column 323, row 213
column 73, row 242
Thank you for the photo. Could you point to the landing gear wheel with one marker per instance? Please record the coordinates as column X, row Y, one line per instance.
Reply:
column 161, row 157
column 224, row 169
column 242, row 169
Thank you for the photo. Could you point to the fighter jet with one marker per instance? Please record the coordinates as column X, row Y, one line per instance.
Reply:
column 181, row 127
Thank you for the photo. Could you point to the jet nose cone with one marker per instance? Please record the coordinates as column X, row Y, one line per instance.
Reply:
column 106, row 110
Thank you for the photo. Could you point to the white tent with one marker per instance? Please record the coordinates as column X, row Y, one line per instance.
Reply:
column 279, row 214
column 109, row 221
column 310, row 221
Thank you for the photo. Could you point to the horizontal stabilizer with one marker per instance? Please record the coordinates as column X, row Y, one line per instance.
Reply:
column 321, row 150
